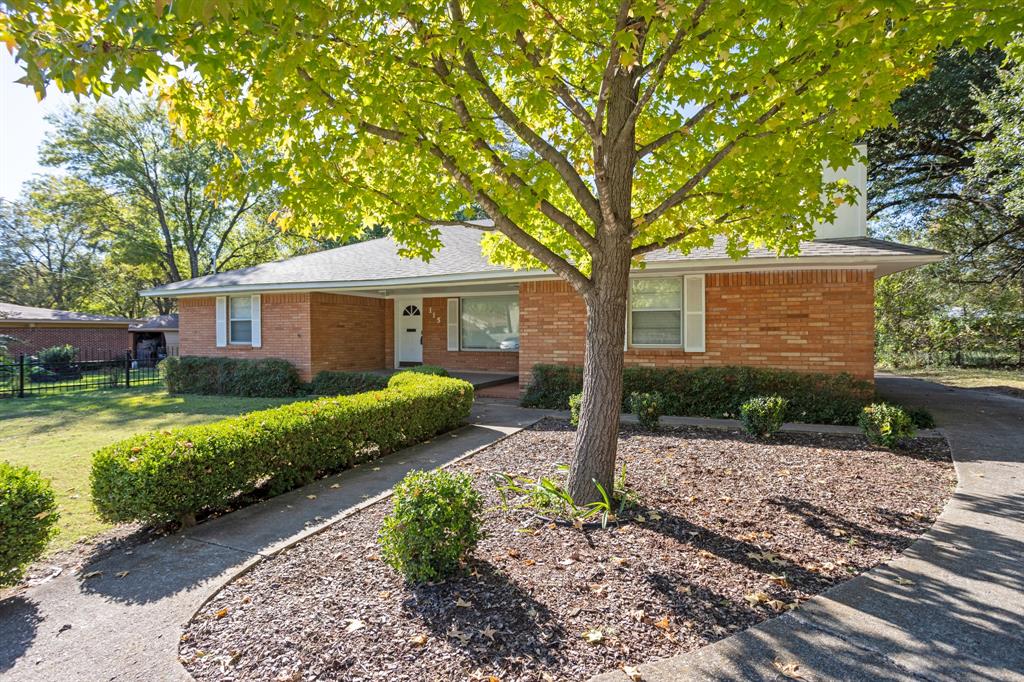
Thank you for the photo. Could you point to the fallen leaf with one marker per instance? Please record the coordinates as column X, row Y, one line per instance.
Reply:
column 354, row 624
column 514, row 553
column 489, row 632
column 788, row 669
column 311, row 497
column 418, row 640
column 92, row 574
column 221, row 613
column 903, row 581
column 458, row 634
column 462, row 603
column 632, row 673
column 663, row 624
column 335, row 485
column 121, row 574
column 619, row 561
column 654, row 516
column 779, row 579
column 593, row 636
column 755, row 598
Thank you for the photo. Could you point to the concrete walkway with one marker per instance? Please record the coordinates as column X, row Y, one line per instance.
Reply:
column 108, row 627
column 950, row 608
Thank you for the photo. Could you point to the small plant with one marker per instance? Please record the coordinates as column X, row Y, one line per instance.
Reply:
column 921, row 417
column 885, row 424
column 57, row 358
column 575, row 402
column 550, row 498
column 648, row 408
column 763, row 416
column 28, row 518
column 434, row 525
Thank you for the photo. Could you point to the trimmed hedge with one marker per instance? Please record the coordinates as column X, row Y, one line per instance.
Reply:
column 173, row 475
column 346, row 383
column 28, row 518
column 717, row 391
column 263, row 378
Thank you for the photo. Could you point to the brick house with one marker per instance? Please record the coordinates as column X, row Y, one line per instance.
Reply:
column 363, row 307
column 36, row 328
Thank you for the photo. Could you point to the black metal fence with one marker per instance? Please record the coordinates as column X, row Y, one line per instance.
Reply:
column 23, row 376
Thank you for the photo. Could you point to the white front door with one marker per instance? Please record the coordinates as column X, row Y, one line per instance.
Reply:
column 409, row 329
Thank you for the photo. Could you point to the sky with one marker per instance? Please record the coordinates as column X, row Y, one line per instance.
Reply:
column 22, row 127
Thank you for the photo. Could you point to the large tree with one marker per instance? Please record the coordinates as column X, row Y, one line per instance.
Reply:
column 178, row 219
column 590, row 133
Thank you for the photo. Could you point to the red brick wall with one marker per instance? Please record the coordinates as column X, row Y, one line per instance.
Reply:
column 347, row 332
column 284, row 331
column 435, row 345
column 98, row 342
column 804, row 320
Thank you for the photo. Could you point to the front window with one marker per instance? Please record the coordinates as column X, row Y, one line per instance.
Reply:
column 240, row 319
column 656, row 311
column 490, row 323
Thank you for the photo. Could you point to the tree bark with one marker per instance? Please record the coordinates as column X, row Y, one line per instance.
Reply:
column 597, row 435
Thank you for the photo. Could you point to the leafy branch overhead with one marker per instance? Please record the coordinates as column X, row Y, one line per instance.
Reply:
column 572, row 125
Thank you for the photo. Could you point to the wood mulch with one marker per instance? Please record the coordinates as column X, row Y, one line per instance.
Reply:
column 730, row 531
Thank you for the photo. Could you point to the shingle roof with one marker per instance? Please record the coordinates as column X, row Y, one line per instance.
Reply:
column 377, row 263
column 9, row 312
column 158, row 323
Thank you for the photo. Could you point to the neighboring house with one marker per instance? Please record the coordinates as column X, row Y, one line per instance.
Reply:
column 362, row 307
column 38, row 328
column 154, row 338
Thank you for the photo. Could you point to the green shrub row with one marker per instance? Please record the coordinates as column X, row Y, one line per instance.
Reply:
column 173, row 475
column 717, row 391
column 268, row 378
column 346, row 383
column 28, row 518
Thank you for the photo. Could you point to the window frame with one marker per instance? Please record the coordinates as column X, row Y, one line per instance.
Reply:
column 461, row 306
column 681, row 310
column 231, row 319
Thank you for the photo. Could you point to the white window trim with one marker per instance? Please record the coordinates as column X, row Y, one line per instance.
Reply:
column 681, row 310
column 230, row 319
column 463, row 349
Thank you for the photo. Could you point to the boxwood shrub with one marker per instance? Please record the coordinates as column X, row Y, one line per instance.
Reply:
column 265, row 378
column 28, row 518
column 346, row 383
column 173, row 475
column 717, row 391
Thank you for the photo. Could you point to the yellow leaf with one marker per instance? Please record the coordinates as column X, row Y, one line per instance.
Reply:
column 593, row 636
column 418, row 640
column 221, row 613
column 632, row 673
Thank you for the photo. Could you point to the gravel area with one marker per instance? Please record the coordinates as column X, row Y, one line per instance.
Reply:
column 730, row 531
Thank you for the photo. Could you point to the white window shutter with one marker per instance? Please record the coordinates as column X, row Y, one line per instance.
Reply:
column 693, row 307
column 453, row 324
column 222, row 321
column 257, row 322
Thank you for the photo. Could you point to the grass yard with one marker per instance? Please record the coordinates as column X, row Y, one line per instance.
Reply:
column 1003, row 380
column 56, row 435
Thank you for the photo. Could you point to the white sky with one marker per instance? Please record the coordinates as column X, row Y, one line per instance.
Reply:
column 22, row 127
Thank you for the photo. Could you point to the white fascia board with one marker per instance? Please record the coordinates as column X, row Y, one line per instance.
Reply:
column 884, row 264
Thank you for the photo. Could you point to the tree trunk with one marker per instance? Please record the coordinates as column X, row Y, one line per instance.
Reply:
column 597, row 435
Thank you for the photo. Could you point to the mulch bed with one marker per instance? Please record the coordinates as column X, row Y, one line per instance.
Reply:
column 733, row 532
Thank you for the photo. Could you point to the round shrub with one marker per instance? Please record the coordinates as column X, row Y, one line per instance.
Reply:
column 575, row 403
column 433, row 526
column 648, row 408
column 763, row 416
column 28, row 519
column 885, row 424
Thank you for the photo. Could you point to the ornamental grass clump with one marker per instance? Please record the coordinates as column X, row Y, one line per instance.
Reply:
column 28, row 519
column 433, row 526
column 763, row 416
column 886, row 425
column 648, row 408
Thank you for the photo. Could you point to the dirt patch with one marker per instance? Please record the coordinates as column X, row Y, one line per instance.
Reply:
column 731, row 531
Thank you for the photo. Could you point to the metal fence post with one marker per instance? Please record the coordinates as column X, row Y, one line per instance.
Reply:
column 127, row 369
column 21, row 375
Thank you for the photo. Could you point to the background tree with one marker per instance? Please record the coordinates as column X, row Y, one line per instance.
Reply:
column 129, row 148
column 590, row 133
column 945, row 175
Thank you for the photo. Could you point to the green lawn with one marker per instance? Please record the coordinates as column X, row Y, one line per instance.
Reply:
column 1003, row 380
column 56, row 436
